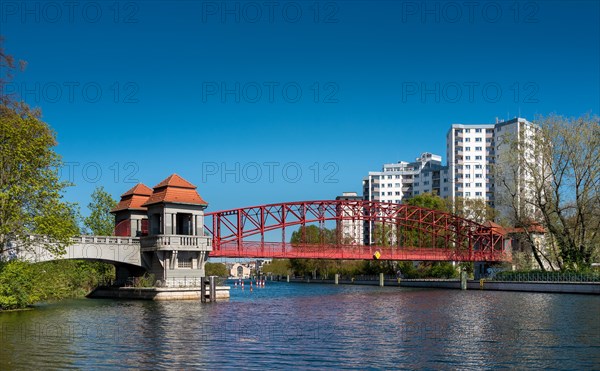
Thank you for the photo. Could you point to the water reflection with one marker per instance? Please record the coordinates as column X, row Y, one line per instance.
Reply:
column 311, row 327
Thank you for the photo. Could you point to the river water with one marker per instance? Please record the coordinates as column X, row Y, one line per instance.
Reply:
column 310, row 326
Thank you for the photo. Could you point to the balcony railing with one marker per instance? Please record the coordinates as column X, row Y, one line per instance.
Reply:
column 106, row 240
column 177, row 241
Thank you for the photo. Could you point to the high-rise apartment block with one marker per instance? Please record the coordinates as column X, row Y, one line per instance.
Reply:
column 351, row 227
column 402, row 180
column 472, row 150
column 477, row 158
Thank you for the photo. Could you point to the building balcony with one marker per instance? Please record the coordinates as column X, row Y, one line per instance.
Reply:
column 105, row 240
column 176, row 242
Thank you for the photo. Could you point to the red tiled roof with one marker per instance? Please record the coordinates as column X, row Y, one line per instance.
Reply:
column 139, row 189
column 534, row 228
column 495, row 227
column 175, row 189
column 175, row 181
column 134, row 198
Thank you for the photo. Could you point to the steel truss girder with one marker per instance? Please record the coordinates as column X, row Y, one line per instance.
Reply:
column 462, row 239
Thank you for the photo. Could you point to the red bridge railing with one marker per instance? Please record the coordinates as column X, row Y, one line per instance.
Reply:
column 410, row 232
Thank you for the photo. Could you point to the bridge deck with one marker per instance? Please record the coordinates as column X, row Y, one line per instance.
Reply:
column 351, row 252
column 110, row 249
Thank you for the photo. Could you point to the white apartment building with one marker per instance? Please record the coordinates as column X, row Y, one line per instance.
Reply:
column 351, row 229
column 473, row 151
column 524, row 132
column 402, row 180
column 471, row 155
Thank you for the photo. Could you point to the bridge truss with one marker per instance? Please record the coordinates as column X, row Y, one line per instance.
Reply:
column 401, row 232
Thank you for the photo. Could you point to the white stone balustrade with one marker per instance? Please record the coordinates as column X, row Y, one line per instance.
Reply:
column 179, row 242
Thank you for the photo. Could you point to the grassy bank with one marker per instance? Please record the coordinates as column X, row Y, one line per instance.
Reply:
column 23, row 284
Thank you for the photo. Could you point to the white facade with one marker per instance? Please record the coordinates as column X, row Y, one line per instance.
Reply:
column 402, row 180
column 351, row 229
column 474, row 150
column 239, row 271
column 524, row 133
column 471, row 155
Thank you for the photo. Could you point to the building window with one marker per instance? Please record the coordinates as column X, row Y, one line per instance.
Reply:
column 467, row 166
column 426, row 182
column 467, row 130
column 467, row 158
column 477, row 157
column 477, row 175
column 445, row 188
column 183, row 261
column 383, row 185
column 467, row 175
column 477, row 193
column 477, row 184
column 397, row 193
column 416, row 184
column 467, row 194
column 467, row 148
column 467, row 139
column 478, row 130
column 467, row 185
column 389, row 177
column 389, row 193
column 478, row 166
column 389, row 185
column 478, row 139
column 478, row 148
column 416, row 192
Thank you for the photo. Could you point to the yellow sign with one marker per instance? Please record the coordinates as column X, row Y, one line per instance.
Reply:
column 377, row 255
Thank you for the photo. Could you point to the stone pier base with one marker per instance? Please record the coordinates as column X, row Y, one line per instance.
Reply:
column 158, row 293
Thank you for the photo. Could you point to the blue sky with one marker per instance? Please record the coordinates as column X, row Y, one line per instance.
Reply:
column 137, row 90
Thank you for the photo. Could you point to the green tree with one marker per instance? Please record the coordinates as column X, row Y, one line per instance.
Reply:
column 100, row 221
column 280, row 267
column 428, row 201
column 216, row 269
column 17, row 283
column 31, row 193
column 383, row 234
column 312, row 234
column 550, row 177
column 23, row 284
column 475, row 209
column 412, row 233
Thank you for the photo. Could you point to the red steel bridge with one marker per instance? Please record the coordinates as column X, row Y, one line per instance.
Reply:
column 405, row 233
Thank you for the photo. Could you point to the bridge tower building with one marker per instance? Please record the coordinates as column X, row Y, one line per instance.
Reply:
column 131, row 218
column 175, row 249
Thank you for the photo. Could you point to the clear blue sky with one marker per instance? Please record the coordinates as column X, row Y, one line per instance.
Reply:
column 149, row 85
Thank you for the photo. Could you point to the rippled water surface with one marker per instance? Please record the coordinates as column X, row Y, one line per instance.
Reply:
column 311, row 326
